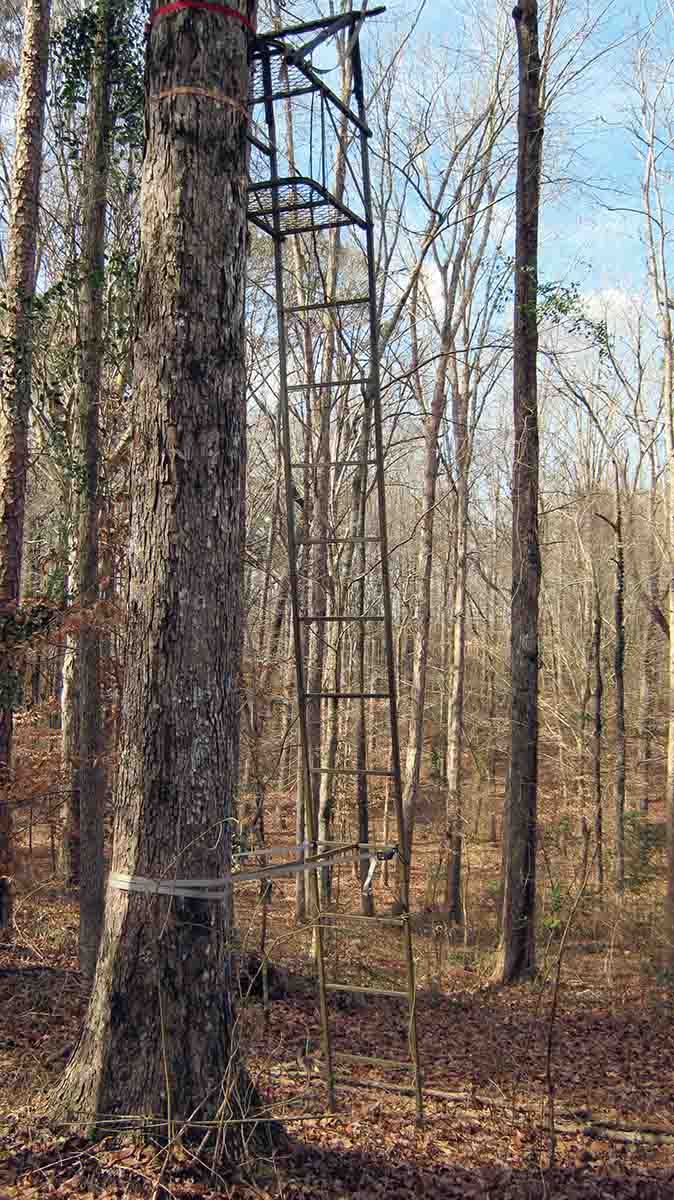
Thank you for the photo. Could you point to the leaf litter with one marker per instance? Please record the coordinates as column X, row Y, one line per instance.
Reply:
column 613, row 1071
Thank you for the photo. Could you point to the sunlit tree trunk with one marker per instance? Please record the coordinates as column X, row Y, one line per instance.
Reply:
column 516, row 958
column 455, row 736
column 15, row 380
column 657, row 249
column 159, row 1035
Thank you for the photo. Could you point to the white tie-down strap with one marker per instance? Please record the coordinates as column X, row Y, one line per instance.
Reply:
column 379, row 855
column 212, row 889
column 190, row 889
column 271, row 850
column 367, row 886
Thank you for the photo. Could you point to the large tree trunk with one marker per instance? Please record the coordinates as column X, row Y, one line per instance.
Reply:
column 657, row 247
column 90, row 345
column 159, row 1035
column 516, row 958
column 16, row 365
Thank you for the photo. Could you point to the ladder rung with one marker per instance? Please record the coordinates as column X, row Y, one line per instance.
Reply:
column 332, row 383
column 298, row 308
column 353, row 617
column 364, row 991
column 351, row 771
column 347, row 696
column 285, row 95
column 337, row 462
column 334, row 540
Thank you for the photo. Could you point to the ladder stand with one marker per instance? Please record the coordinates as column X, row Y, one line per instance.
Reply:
column 291, row 197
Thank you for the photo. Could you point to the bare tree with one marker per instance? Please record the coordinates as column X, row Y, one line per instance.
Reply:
column 15, row 383
column 516, row 958
column 467, row 186
column 654, row 109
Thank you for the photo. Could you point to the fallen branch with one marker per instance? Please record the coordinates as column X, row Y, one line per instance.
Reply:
column 614, row 1131
column 578, row 1121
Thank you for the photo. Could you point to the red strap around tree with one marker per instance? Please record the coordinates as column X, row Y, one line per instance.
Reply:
column 208, row 5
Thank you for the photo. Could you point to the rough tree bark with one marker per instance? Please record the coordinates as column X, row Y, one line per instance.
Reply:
column 15, row 365
column 96, row 159
column 516, row 957
column 657, row 249
column 159, row 1035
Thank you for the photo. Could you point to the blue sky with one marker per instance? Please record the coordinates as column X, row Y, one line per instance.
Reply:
column 592, row 169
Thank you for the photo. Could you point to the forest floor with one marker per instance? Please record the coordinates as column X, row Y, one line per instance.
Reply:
column 607, row 1058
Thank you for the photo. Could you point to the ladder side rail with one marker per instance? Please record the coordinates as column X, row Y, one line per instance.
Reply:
column 286, row 446
column 374, row 385
column 292, row 574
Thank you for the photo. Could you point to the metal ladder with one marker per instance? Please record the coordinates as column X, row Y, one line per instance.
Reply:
column 285, row 204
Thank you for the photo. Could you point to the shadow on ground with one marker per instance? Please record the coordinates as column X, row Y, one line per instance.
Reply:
column 332, row 1173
